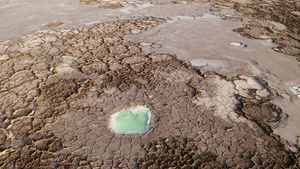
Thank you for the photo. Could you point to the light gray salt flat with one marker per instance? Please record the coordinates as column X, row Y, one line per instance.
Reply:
column 295, row 90
column 255, row 83
column 145, row 43
column 135, row 31
column 216, row 64
column 263, row 93
column 241, row 84
column 156, row 45
column 4, row 57
column 237, row 44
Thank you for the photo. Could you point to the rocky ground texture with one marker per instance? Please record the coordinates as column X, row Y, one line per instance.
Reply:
column 59, row 89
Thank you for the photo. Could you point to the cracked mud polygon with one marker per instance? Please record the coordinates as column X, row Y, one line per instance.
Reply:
column 59, row 89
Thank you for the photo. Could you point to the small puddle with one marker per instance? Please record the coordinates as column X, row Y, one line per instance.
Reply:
column 134, row 120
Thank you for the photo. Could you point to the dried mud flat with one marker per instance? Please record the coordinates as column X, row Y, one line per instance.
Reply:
column 59, row 89
column 282, row 18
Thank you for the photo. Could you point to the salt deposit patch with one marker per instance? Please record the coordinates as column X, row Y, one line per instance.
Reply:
column 296, row 90
column 4, row 57
column 64, row 68
column 135, row 7
column 238, row 44
column 216, row 64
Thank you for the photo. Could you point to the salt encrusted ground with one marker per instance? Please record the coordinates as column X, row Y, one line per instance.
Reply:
column 211, row 108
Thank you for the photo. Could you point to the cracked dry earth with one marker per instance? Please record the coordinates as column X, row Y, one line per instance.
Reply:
column 59, row 89
column 282, row 18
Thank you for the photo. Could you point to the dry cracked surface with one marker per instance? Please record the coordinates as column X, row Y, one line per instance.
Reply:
column 282, row 18
column 59, row 89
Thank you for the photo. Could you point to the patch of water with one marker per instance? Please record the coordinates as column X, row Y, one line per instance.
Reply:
column 134, row 120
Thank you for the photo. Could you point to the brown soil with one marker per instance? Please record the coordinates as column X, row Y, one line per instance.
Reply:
column 90, row 2
column 54, row 24
column 111, row 6
column 263, row 113
column 68, row 83
column 177, row 152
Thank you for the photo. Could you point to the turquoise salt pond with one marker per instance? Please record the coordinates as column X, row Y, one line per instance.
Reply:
column 135, row 120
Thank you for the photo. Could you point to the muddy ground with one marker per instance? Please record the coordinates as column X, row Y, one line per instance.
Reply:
column 59, row 89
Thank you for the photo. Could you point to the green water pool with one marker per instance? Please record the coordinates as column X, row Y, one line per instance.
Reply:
column 134, row 120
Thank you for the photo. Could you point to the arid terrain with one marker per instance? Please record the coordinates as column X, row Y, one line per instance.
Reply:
column 221, row 78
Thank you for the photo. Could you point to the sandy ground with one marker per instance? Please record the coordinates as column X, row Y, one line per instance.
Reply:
column 219, row 77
